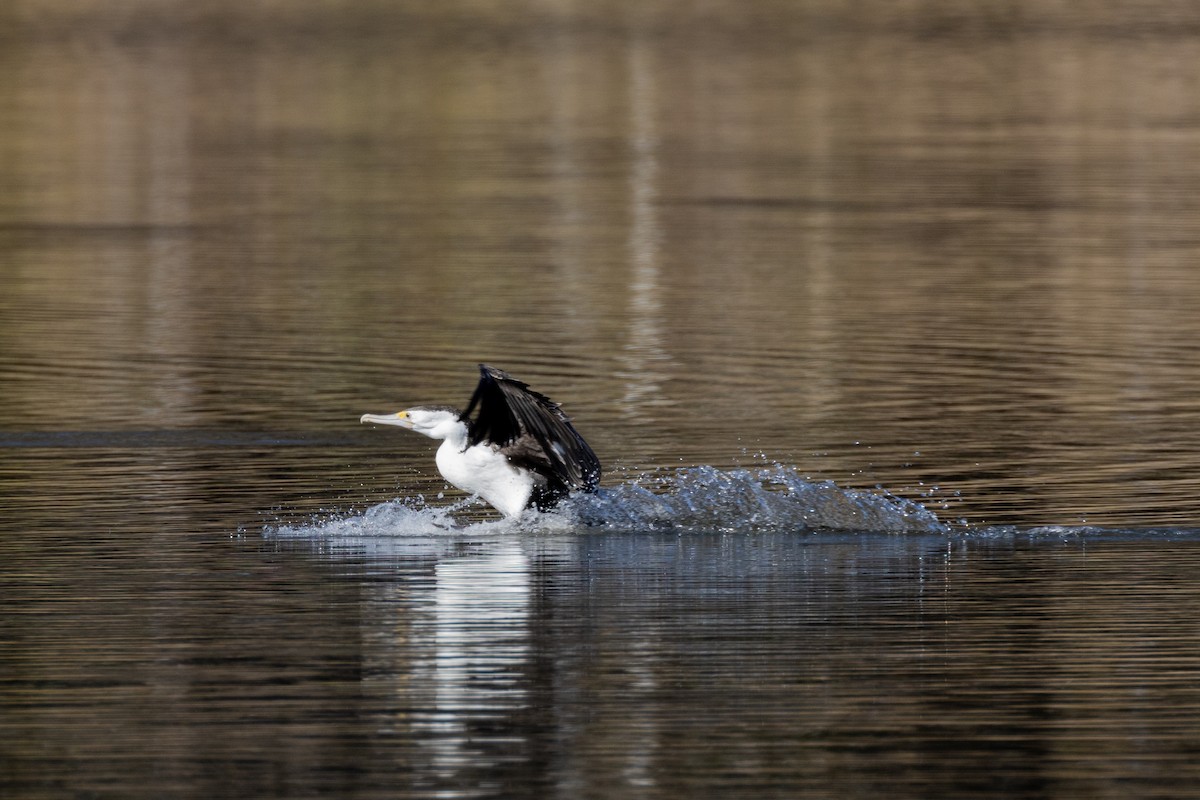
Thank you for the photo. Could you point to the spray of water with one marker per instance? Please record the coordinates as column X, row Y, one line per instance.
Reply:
column 702, row 499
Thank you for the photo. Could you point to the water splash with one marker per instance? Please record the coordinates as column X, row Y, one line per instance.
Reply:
column 772, row 498
column 701, row 499
column 403, row 517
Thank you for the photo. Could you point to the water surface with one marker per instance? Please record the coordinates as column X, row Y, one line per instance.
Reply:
column 881, row 319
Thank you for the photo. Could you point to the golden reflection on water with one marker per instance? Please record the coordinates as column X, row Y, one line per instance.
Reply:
column 932, row 248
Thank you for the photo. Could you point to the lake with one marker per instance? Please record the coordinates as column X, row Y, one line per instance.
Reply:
column 881, row 318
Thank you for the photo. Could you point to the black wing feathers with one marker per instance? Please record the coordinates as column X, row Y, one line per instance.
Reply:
column 531, row 430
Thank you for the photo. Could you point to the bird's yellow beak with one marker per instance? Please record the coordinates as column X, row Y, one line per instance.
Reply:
column 400, row 418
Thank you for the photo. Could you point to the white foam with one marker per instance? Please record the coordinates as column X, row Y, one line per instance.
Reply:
column 695, row 498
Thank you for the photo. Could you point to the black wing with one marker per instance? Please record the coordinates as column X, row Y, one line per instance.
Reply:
column 531, row 428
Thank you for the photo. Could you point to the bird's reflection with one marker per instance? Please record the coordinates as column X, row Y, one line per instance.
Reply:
column 455, row 649
column 481, row 611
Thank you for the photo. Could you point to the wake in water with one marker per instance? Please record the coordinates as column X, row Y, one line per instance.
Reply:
column 690, row 499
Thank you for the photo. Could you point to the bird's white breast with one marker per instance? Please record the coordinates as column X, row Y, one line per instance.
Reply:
column 482, row 470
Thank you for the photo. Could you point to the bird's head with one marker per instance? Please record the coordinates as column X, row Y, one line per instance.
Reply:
column 436, row 422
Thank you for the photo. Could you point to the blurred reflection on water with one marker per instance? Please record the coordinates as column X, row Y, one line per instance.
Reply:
column 945, row 250
column 593, row 665
column 917, row 248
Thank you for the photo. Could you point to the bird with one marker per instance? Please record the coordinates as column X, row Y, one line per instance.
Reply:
column 518, row 451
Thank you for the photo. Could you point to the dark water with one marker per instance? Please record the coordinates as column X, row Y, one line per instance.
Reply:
column 882, row 318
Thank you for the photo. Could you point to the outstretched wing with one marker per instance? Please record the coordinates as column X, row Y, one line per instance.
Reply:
column 530, row 428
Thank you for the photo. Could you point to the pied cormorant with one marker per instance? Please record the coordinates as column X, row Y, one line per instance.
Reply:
column 519, row 451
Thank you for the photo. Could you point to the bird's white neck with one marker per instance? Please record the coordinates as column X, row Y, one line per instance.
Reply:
column 456, row 436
